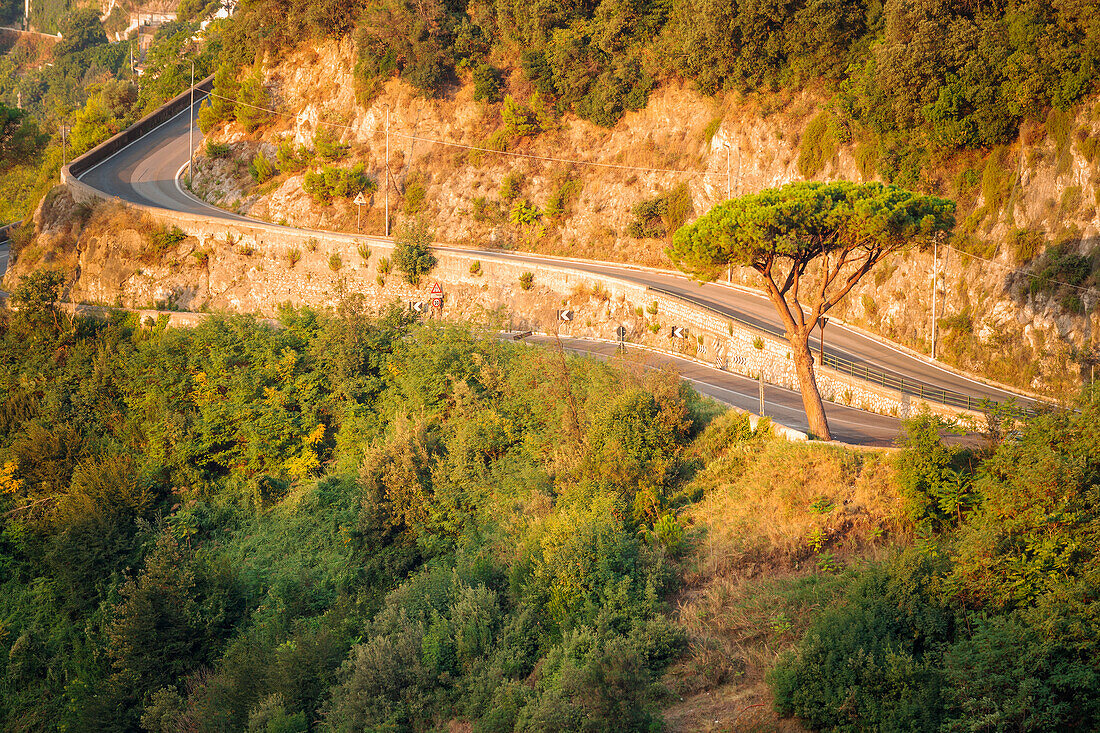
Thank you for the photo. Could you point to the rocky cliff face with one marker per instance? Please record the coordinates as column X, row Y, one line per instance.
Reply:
column 1014, row 298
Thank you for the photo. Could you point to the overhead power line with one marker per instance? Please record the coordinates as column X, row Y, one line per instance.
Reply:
column 1021, row 271
column 616, row 166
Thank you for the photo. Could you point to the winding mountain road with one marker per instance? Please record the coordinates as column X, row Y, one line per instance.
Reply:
column 147, row 171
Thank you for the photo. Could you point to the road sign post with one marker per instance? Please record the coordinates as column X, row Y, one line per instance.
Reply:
column 360, row 199
column 565, row 315
column 620, row 333
column 436, row 297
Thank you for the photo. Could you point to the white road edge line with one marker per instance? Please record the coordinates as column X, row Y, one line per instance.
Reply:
column 138, row 139
column 520, row 255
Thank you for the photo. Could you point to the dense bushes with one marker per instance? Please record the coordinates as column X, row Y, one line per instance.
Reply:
column 987, row 626
column 412, row 251
column 347, row 519
column 333, row 182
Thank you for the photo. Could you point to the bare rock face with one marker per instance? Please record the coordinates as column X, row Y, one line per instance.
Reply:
column 583, row 183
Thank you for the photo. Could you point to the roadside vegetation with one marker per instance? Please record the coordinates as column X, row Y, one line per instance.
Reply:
column 353, row 521
column 85, row 83
column 349, row 521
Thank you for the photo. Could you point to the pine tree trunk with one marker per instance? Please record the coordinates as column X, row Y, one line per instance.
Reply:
column 811, row 396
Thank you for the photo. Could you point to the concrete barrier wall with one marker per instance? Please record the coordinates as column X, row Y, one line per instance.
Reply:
column 155, row 118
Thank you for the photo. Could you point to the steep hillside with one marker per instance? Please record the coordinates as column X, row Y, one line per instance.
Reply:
column 1014, row 300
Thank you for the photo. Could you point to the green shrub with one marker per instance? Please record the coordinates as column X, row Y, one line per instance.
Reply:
column 252, row 101
column 291, row 159
column 935, row 480
column 819, row 146
column 221, row 103
column 293, row 256
column 511, row 186
column 875, row 658
column 217, row 150
column 475, row 267
column 327, row 144
column 519, row 120
column 660, row 216
column 332, row 182
column 412, row 253
column 335, row 262
column 415, row 194
column 526, row 280
column 486, row 84
column 161, row 239
column 260, row 168
column 384, row 265
column 1026, row 244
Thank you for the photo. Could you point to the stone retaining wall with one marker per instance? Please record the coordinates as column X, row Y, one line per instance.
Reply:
column 246, row 266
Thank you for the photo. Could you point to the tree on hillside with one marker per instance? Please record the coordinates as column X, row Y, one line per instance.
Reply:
column 20, row 137
column 81, row 30
column 811, row 243
column 412, row 251
column 35, row 301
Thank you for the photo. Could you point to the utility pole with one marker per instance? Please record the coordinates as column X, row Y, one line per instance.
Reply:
column 761, row 391
column 729, row 188
column 387, row 171
column 191, row 131
column 738, row 169
column 821, row 350
column 64, row 148
column 935, row 268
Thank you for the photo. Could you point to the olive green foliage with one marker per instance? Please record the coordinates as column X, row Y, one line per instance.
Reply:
column 106, row 112
column 293, row 159
column 486, row 83
column 334, row 182
column 910, row 81
column 81, row 29
column 936, row 480
column 261, row 168
column 219, row 106
column 326, row 143
column 35, row 300
column 658, row 216
column 415, row 194
column 412, row 251
column 987, row 624
column 802, row 221
column 819, row 145
column 345, row 518
column 511, row 186
column 874, row 658
column 19, row 136
column 1025, row 244
column 1061, row 270
column 252, row 103
column 217, row 150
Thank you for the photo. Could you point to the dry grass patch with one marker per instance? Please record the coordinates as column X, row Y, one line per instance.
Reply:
column 782, row 529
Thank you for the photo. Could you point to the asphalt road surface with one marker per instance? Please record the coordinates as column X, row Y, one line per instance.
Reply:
column 147, row 170
column 784, row 406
